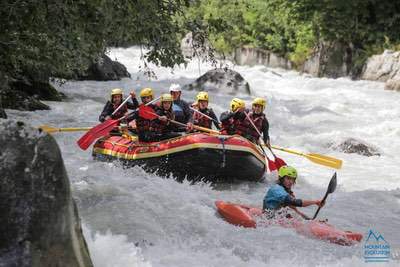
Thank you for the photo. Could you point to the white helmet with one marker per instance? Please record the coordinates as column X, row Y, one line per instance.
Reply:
column 175, row 88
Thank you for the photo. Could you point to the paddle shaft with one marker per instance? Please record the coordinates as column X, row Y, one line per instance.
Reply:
column 185, row 125
column 122, row 104
column 202, row 114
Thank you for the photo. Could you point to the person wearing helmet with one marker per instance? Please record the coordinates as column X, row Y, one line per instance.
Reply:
column 245, row 127
column 280, row 195
column 141, row 124
column 203, row 113
column 229, row 118
column 115, row 101
column 161, row 128
column 180, row 107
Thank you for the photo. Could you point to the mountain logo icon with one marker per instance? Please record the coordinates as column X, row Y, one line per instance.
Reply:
column 375, row 237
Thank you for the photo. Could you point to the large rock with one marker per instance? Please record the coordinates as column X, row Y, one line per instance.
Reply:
column 20, row 100
column 39, row 223
column 329, row 59
column 385, row 68
column 255, row 56
column 104, row 69
column 382, row 67
column 221, row 80
column 352, row 145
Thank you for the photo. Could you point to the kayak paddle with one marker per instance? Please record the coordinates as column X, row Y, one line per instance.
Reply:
column 331, row 189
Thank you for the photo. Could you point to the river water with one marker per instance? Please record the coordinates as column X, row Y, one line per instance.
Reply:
column 133, row 218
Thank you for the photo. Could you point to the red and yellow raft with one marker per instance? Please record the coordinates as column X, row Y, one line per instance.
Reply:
column 246, row 216
column 197, row 156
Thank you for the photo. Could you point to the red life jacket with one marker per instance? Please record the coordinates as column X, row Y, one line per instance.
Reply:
column 245, row 128
column 228, row 127
column 121, row 112
column 160, row 127
column 142, row 124
column 201, row 120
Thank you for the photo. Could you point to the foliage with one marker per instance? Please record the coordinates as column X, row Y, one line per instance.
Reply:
column 292, row 28
column 39, row 38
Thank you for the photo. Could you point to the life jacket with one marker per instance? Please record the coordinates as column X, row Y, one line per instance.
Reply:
column 120, row 113
column 160, row 127
column 142, row 124
column 201, row 120
column 228, row 127
column 244, row 127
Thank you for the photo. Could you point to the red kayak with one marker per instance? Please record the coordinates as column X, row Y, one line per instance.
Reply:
column 246, row 216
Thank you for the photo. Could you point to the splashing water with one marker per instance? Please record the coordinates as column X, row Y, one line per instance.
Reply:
column 135, row 218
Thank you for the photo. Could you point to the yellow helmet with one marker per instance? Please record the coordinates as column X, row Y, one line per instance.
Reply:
column 166, row 98
column 116, row 91
column 237, row 103
column 259, row 101
column 202, row 96
column 146, row 92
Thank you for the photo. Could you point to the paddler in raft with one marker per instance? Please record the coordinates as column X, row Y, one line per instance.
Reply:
column 281, row 195
column 161, row 128
column 114, row 102
column 141, row 124
column 237, row 120
column 180, row 107
column 203, row 115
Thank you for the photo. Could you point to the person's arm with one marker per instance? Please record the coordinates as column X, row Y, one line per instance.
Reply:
column 133, row 104
column 265, row 132
column 226, row 116
column 107, row 110
column 215, row 119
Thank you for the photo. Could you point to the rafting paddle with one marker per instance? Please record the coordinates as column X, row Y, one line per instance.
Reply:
column 331, row 189
column 271, row 164
column 102, row 129
column 49, row 129
column 149, row 114
column 316, row 158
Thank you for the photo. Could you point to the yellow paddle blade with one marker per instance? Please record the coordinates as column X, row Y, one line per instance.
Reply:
column 48, row 129
column 325, row 160
column 316, row 158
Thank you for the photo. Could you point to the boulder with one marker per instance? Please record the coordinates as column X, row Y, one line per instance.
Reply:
column 329, row 59
column 352, row 145
column 104, row 69
column 393, row 84
column 20, row 100
column 220, row 80
column 382, row 67
column 39, row 223
column 256, row 56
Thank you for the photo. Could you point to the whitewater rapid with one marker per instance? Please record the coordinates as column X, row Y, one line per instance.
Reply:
column 133, row 218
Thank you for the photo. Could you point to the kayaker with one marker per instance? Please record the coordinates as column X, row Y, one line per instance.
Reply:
column 281, row 195
column 114, row 102
column 228, row 118
column 180, row 107
column 202, row 116
column 161, row 128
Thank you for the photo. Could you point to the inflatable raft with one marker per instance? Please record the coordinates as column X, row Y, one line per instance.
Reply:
column 247, row 216
column 197, row 156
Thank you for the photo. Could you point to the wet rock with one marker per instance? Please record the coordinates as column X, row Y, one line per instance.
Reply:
column 393, row 84
column 329, row 59
column 382, row 67
column 15, row 99
column 220, row 80
column 39, row 223
column 352, row 145
column 105, row 69
column 255, row 56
